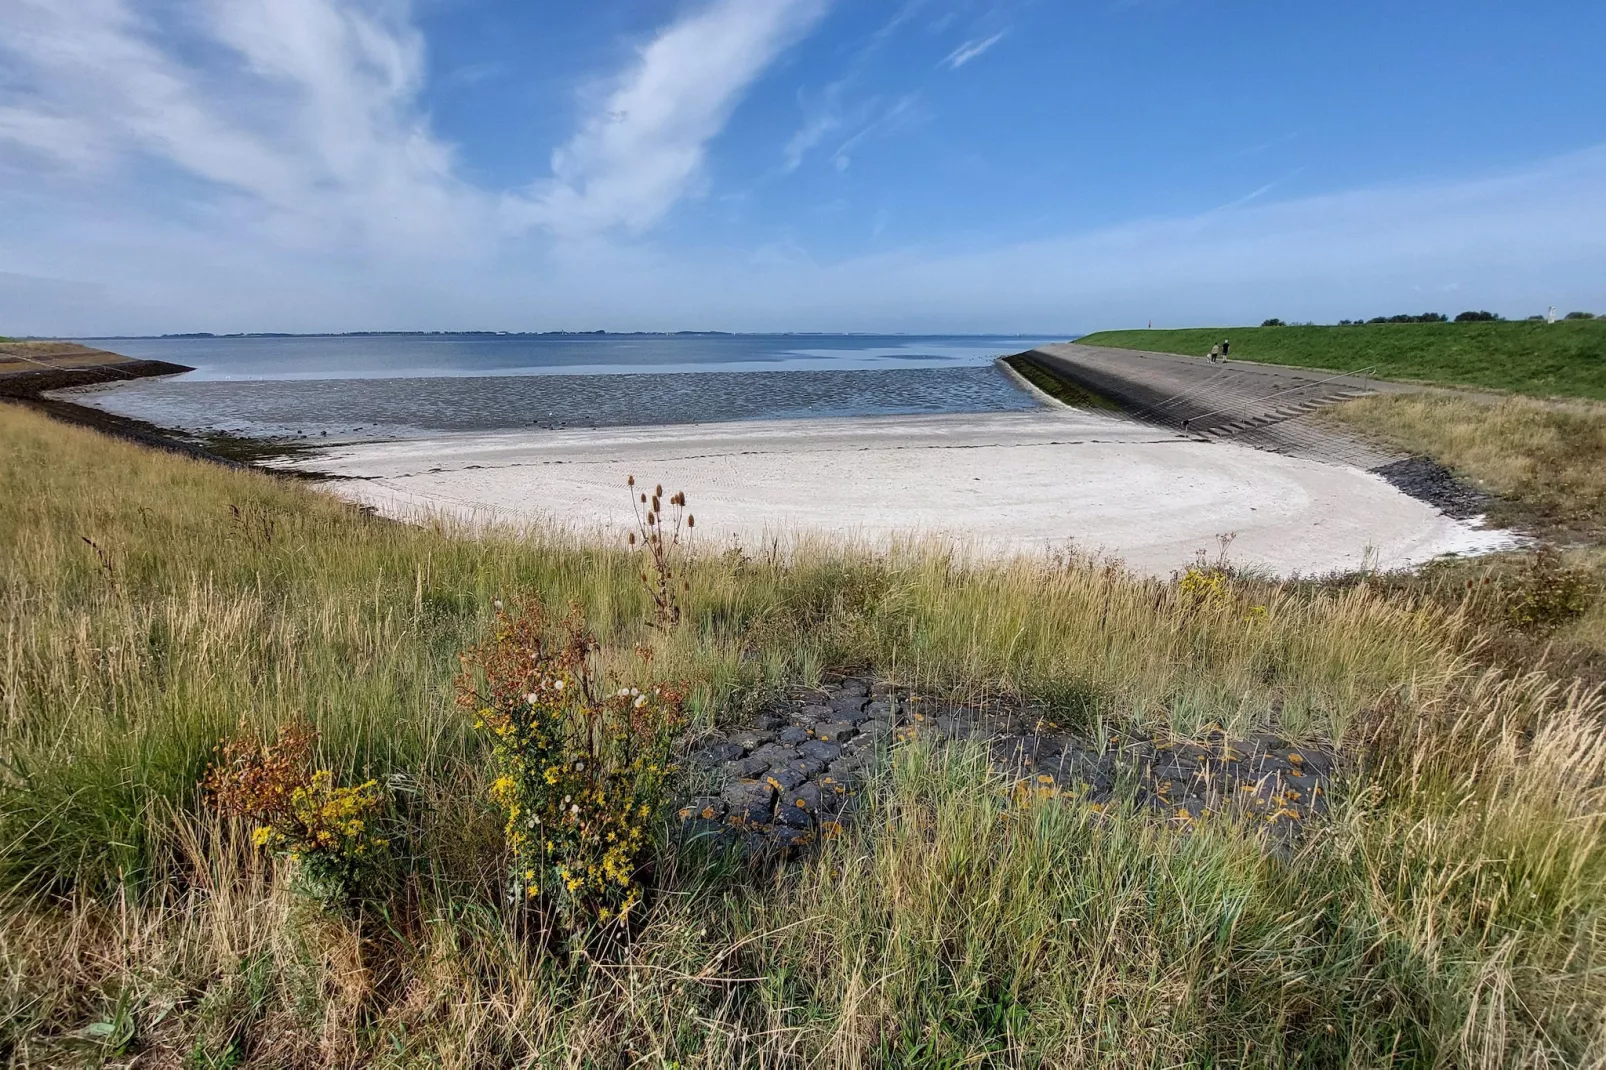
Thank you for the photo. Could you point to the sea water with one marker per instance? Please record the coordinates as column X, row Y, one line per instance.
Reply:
column 398, row 386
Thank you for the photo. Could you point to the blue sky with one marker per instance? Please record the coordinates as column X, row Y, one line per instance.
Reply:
column 900, row 165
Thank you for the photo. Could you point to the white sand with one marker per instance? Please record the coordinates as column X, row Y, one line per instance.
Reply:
column 1004, row 482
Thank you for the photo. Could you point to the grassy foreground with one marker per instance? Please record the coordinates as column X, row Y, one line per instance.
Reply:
column 1545, row 359
column 1449, row 913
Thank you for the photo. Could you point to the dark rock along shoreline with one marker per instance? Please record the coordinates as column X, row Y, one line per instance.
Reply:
column 793, row 773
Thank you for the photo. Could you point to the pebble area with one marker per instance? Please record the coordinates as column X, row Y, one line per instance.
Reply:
column 791, row 776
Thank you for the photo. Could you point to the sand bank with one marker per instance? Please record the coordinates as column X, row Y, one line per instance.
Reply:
column 1002, row 482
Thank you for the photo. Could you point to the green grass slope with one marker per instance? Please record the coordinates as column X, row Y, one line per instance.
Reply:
column 1545, row 359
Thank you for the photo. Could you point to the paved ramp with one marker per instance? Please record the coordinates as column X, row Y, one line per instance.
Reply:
column 1261, row 405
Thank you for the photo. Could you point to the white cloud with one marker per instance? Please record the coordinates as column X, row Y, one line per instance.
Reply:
column 307, row 114
column 643, row 148
column 970, row 50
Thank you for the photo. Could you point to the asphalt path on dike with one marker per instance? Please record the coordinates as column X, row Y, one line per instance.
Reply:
column 996, row 483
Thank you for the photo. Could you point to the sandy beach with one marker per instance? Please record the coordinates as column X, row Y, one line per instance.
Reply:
column 1000, row 483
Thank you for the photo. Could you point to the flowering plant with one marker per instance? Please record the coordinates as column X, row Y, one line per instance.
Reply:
column 330, row 831
column 582, row 769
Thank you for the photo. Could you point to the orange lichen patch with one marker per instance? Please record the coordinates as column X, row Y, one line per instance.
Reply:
column 830, row 830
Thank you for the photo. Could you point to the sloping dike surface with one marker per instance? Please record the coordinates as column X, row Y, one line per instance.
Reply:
column 1260, row 405
column 798, row 772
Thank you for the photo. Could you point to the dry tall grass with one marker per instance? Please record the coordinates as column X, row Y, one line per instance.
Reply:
column 1547, row 457
column 1449, row 913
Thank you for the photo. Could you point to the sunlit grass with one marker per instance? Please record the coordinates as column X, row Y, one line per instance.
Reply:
column 1449, row 912
column 1566, row 359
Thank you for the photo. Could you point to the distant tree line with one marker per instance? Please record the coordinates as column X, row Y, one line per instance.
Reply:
column 1434, row 317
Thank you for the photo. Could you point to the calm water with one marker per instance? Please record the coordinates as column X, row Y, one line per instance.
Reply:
column 410, row 385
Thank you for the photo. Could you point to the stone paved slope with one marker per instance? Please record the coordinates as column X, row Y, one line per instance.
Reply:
column 1258, row 405
column 794, row 774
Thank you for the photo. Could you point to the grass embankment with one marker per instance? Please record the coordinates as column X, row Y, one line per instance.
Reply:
column 1545, row 359
column 1450, row 912
column 1543, row 463
column 1547, row 461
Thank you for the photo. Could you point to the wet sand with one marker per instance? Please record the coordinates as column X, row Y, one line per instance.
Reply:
column 1001, row 483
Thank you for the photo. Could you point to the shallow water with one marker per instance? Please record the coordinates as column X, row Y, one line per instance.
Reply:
column 406, row 386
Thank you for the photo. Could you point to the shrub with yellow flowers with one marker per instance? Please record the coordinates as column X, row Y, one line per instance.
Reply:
column 583, row 768
column 1203, row 584
column 331, row 832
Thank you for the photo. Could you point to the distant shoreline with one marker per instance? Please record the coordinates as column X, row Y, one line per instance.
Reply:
column 562, row 334
column 68, row 365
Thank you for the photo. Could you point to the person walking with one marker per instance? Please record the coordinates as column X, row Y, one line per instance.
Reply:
column 1215, row 354
column 1226, row 347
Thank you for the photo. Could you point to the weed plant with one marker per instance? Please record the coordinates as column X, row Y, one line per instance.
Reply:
column 327, row 832
column 583, row 767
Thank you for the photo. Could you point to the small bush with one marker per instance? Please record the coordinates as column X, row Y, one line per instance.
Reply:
column 1204, row 584
column 583, row 770
column 1579, row 316
column 329, row 832
column 1548, row 594
column 1273, row 322
column 1476, row 317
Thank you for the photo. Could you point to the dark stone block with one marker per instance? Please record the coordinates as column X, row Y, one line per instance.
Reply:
column 821, row 751
column 745, row 768
column 749, row 802
column 775, row 753
column 783, row 778
column 752, row 738
column 715, row 754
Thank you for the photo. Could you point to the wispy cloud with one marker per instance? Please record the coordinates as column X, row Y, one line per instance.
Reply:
column 643, row 148
column 837, row 107
column 307, row 111
column 899, row 115
column 970, row 50
column 819, row 122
